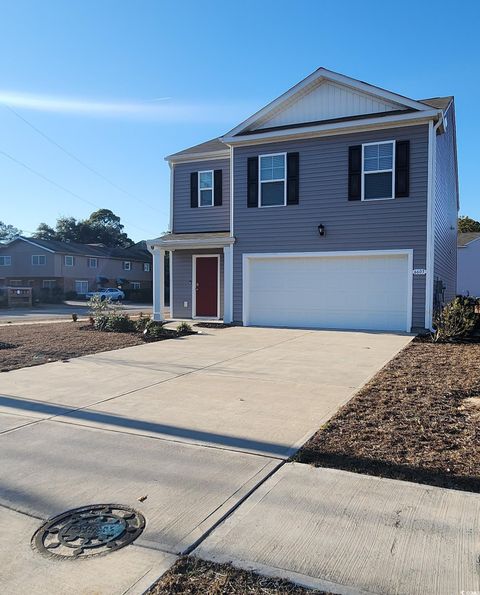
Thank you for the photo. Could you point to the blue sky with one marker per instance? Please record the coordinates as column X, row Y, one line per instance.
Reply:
column 121, row 84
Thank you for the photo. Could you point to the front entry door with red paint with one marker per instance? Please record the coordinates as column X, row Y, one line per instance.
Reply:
column 206, row 291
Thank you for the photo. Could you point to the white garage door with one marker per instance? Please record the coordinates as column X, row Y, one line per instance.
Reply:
column 346, row 291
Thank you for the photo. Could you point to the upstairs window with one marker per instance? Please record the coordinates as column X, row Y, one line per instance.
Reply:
column 39, row 259
column 5, row 261
column 69, row 261
column 146, row 267
column 378, row 164
column 205, row 188
column 92, row 263
column 127, row 265
column 272, row 187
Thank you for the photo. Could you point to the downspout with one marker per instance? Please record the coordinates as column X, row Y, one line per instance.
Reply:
column 430, row 264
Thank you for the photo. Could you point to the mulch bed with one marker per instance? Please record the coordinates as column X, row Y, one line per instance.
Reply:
column 33, row 344
column 418, row 419
column 213, row 325
column 190, row 575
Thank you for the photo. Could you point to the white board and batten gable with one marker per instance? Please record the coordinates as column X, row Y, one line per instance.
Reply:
column 327, row 101
column 323, row 97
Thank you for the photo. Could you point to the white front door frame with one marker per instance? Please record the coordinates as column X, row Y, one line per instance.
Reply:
column 194, row 286
column 247, row 258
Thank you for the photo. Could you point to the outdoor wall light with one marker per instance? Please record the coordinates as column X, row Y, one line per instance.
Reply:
column 321, row 229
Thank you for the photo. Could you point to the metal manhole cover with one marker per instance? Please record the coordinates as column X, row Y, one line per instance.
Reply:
column 88, row 531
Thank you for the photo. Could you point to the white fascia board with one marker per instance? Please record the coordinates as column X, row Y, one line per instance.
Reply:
column 323, row 73
column 193, row 243
column 33, row 244
column 198, row 156
column 335, row 128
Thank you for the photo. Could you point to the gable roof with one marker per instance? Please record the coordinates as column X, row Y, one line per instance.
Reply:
column 135, row 252
column 325, row 100
column 466, row 238
column 326, row 91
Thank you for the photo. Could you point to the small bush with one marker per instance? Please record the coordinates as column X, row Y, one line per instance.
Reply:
column 142, row 322
column 74, row 317
column 456, row 320
column 154, row 330
column 184, row 328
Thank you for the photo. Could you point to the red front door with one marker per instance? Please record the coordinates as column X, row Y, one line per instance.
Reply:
column 206, row 290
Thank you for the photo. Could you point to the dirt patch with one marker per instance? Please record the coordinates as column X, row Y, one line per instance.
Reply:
column 33, row 344
column 193, row 576
column 416, row 420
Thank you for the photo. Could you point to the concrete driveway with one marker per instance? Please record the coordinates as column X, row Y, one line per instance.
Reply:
column 194, row 424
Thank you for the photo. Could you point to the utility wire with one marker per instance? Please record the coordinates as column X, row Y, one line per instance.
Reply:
column 57, row 185
column 77, row 159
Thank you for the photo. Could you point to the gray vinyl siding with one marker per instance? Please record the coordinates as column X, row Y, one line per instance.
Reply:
column 446, row 200
column 182, row 281
column 187, row 219
column 350, row 225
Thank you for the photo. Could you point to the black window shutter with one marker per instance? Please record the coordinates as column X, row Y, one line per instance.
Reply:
column 293, row 178
column 194, row 189
column 355, row 172
column 402, row 168
column 252, row 182
column 217, row 187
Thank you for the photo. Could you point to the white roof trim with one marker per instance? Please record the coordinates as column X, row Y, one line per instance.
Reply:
column 192, row 243
column 198, row 156
column 323, row 73
column 30, row 242
column 335, row 128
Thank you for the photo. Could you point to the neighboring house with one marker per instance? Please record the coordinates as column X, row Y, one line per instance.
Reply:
column 71, row 267
column 335, row 206
column 468, row 271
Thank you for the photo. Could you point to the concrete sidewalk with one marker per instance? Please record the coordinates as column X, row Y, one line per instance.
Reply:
column 347, row 533
column 194, row 424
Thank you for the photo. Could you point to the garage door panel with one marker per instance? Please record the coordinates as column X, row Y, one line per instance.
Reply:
column 363, row 292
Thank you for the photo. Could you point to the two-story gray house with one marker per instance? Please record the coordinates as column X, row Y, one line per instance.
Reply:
column 335, row 206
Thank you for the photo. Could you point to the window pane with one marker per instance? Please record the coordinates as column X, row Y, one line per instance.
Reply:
column 370, row 164
column 277, row 160
column 272, row 194
column 206, row 179
column 370, row 151
column 266, row 162
column 385, row 150
column 266, row 174
column 385, row 162
column 278, row 173
column 378, row 185
column 205, row 198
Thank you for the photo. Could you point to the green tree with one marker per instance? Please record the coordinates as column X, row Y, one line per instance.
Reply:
column 8, row 232
column 466, row 224
column 45, row 232
column 101, row 227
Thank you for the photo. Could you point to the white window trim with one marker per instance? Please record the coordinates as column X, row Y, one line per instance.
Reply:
column 125, row 262
column 135, row 284
column 6, row 264
column 194, row 286
column 90, row 258
column 38, row 263
column 378, row 171
column 148, row 269
column 81, row 281
column 260, row 182
column 206, row 171
column 65, row 260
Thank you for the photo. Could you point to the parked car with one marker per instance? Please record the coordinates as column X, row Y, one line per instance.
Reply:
column 110, row 292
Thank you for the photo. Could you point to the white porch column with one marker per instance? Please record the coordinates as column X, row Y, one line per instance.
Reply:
column 158, row 283
column 228, row 283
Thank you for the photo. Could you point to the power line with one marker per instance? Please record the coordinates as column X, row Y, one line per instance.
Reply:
column 77, row 159
column 57, row 185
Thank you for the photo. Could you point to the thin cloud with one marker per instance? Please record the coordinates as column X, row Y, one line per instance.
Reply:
column 162, row 109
